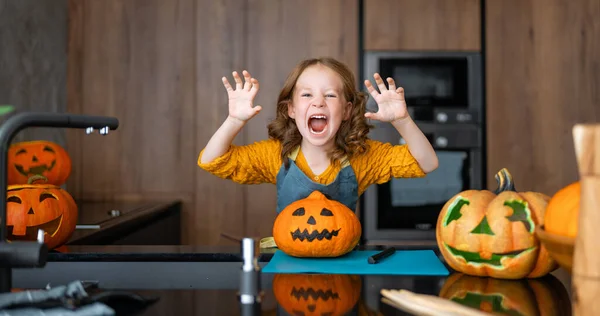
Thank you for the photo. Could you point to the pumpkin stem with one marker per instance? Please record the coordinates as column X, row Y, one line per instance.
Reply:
column 505, row 181
column 36, row 177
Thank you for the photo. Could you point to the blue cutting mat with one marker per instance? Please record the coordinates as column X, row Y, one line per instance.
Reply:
column 402, row 262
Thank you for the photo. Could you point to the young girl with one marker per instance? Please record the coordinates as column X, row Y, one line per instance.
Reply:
column 318, row 141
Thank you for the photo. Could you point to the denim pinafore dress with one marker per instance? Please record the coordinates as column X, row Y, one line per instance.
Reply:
column 293, row 185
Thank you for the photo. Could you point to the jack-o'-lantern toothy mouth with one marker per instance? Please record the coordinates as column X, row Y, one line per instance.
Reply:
column 35, row 170
column 50, row 228
column 315, row 295
column 315, row 234
column 495, row 260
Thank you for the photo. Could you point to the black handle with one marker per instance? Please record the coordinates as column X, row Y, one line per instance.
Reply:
column 23, row 254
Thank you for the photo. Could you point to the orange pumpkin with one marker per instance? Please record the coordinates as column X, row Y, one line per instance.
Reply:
column 317, row 294
column 316, row 227
column 527, row 297
column 562, row 212
column 39, row 157
column 486, row 233
column 31, row 207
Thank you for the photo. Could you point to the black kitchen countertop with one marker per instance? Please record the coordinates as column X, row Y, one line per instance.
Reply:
column 98, row 219
column 204, row 280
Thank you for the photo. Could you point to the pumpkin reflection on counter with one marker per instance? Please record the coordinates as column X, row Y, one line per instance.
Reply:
column 316, row 227
column 317, row 294
column 33, row 206
column 39, row 157
column 527, row 297
column 486, row 233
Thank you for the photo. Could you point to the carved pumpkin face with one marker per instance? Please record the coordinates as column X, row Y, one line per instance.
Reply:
column 316, row 227
column 317, row 294
column 31, row 207
column 45, row 158
column 527, row 297
column 484, row 234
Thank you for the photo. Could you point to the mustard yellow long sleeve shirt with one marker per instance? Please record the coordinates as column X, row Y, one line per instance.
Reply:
column 260, row 162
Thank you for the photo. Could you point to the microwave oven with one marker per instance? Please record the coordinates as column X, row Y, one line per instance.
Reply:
column 444, row 96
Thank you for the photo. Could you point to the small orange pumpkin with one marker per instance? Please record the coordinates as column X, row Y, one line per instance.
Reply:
column 317, row 294
column 31, row 207
column 527, row 297
column 42, row 157
column 562, row 212
column 316, row 227
column 486, row 233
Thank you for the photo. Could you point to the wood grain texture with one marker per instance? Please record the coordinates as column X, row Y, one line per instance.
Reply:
column 74, row 91
column 422, row 25
column 135, row 61
column 281, row 34
column 33, row 61
column 220, row 48
column 586, row 258
column 543, row 71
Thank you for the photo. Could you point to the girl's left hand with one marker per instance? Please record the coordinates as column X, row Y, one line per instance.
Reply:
column 390, row 101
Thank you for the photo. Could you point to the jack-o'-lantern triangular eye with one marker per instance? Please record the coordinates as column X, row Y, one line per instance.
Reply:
column 326, row 212
column 298, row 212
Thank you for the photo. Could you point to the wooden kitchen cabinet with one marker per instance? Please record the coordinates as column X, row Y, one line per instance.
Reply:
column 422, row 25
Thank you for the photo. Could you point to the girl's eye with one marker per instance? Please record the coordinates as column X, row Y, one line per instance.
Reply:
column 331, row 95
column 306, row 94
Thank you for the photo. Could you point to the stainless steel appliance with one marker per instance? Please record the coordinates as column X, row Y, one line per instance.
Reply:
column 444, row 94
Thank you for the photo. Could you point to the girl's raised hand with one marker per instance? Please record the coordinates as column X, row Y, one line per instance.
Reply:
column 389, row 100
column 242, row 98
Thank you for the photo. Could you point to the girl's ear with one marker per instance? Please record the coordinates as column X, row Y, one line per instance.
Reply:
column 347, row 111
column 291, row 111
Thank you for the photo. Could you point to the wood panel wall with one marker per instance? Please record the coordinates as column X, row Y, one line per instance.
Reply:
column 543, row 74
column 157, row 66
column 422, row 25
column 33, row 61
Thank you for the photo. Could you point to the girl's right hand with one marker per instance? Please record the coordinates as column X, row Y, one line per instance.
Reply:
column 241, row 99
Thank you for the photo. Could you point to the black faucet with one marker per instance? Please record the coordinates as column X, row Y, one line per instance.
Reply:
column 31, row 254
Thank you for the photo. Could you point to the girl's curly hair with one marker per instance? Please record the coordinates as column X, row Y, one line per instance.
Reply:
column 352, row 134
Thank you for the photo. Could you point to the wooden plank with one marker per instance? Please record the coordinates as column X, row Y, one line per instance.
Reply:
column 76, row 36
column 219, row 50
column 422, row 25
column 33, row 61
column 280, row 35
column 137, row 64
column 542, row 78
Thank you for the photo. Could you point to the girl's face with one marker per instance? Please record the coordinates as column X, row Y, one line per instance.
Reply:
column 318, row 105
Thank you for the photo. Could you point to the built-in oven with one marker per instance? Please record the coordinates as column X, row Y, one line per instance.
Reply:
column 443, row 91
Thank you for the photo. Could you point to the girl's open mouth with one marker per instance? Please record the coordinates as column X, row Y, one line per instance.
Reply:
column 317, row 124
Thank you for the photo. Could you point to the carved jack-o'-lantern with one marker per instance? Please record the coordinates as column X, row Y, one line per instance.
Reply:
column 527, row 297
column 317, row 294
column 316, row 227
column 31, row 207
column 492, row 234
column 41, row 157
